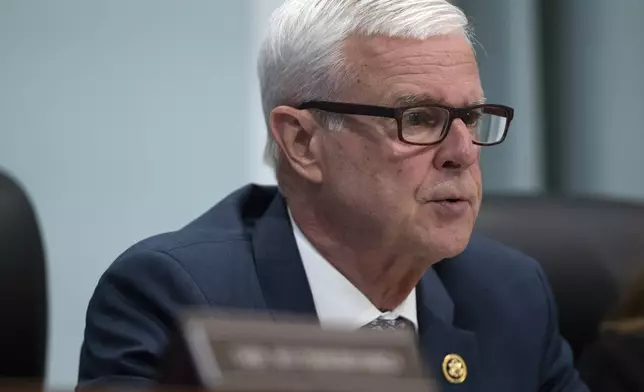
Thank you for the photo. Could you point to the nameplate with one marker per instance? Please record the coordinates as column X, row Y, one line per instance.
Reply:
column 248, row 352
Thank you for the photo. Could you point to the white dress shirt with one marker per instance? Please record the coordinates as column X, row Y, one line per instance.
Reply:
column 339, row 304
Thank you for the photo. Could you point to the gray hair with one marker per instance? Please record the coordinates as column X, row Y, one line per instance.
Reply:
column 301, row 57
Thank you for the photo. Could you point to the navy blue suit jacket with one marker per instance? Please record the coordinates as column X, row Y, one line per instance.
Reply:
column 491, row 305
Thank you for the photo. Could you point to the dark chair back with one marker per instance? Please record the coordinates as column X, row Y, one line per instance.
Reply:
column 23, row 296
column 589, row 250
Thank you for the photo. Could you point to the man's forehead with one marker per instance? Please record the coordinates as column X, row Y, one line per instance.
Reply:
column 403, row 72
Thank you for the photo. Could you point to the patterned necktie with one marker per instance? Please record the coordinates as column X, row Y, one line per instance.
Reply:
column 383, row 324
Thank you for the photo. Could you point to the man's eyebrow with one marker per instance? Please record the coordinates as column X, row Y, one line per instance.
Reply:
column 425, row 99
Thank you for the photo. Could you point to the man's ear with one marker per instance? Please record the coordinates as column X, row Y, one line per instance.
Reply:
column 296, row 133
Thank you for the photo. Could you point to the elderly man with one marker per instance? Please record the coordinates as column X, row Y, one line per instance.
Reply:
column 376, row 119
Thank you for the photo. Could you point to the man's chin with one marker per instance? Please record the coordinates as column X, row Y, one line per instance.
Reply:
column 455, row 250
column 445, row 243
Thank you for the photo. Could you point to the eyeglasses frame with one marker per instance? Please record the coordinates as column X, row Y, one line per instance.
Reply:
column 397, row 113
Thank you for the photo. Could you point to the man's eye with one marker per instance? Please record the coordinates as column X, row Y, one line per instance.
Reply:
column 422, row 119
column 472, row 118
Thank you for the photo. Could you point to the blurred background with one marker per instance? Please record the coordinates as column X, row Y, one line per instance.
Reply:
column 123, row 119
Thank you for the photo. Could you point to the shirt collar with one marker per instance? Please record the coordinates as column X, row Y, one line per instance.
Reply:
column 338, row 303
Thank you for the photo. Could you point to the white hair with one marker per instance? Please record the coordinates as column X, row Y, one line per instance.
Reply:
column 301, row 57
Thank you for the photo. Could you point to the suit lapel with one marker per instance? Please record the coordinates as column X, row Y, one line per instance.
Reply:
column 282, row 278
column 439, row 337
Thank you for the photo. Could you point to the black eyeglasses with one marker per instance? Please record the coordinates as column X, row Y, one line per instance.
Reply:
column 425, row 125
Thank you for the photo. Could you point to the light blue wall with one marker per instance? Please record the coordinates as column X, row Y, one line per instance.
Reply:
column 602, row 58
column 122, row 119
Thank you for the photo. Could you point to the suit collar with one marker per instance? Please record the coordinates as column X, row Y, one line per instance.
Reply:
column 432, row 298
column 281, row 274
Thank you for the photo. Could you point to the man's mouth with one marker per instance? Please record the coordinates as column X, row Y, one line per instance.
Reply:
column 451, row 206
column 449, row 200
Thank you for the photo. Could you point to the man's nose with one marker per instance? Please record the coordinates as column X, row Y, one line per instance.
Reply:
column 457, row 151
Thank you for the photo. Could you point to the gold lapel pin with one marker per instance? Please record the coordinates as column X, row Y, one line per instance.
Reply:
column 454, row 369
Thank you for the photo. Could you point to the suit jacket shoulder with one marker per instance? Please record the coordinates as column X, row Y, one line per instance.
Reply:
column 137, row 301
